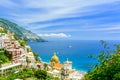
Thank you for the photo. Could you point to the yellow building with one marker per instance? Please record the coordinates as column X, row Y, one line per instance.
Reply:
column 55, row 63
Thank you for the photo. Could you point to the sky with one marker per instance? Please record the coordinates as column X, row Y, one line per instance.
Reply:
column 66, row 19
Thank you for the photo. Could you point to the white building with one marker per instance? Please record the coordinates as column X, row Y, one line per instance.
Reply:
column 66, row 69
column 76, row 75
column 6, row 38
column 67, row 65
column 2, row 37
column 1, row 43
column 22, row 59
column 7, row 69
column 31, row 60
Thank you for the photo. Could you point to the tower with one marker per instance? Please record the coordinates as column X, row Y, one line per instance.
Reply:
column 66, row 69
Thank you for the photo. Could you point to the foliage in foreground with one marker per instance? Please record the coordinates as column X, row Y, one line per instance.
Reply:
column 109, row 67
column 29, row 74
column 109, row 70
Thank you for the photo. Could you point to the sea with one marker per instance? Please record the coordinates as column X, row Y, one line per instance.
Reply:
column 77, row 51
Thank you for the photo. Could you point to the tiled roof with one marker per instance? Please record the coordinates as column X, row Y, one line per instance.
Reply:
column 57, row 65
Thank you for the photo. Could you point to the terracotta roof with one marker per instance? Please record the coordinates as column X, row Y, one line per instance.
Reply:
column 57, row 65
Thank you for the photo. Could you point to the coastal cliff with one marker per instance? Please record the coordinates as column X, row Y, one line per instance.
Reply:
column 19, row 31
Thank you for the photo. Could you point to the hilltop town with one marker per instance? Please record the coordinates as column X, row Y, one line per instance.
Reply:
column 18, row 54
column 16, row 57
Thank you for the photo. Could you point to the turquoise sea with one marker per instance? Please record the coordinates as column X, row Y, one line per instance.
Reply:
column 76, row 51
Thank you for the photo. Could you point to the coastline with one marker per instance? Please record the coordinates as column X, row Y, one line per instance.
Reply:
column 78, row 54
column 81, row 71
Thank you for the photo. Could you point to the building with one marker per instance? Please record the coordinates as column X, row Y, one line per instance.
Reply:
column 55, row 73
column 76, row 75
column 67, row 65
column 66, row 70
column 14, row 51
column 54, row 68
column 64, row 74
column 1, row 43
column 6, row 38
column 67, row 73
column 55, row 63
column 16, row 54
column 31, row 60
column 10, row 68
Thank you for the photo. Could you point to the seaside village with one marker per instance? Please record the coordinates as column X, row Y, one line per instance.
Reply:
column 21, row 57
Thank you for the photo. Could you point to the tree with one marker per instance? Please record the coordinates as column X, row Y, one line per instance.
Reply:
column 22, row 42
column 107, row 69
column 3, row 57
column 41, row 74
column 45, row 66
column 16, row 37
column 118, row 48
column 36, row 57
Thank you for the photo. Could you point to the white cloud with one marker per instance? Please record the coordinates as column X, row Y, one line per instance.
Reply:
column 54, row 9
column 55, row 35
column 104, row 28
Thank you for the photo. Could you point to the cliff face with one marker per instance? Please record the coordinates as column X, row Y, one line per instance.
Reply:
column 19, row 31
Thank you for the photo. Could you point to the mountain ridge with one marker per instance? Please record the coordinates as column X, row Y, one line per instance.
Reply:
column 19, row 31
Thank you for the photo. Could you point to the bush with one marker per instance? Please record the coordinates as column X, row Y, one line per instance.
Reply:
column 36, row 57
column 41, row 74
column 107, row 69
column 22, row 42
column 3, row 57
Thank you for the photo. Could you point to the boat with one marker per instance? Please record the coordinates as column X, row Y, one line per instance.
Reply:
column 69, row 46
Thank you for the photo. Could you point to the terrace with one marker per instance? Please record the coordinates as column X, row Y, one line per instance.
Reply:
column 10, row 68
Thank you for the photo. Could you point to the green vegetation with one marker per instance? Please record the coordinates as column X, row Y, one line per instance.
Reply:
column 3, row 58
column 29, row 74
column 45, row 66
column 16, row 37
column 3, row 31
column 118, row 49
column 22, row 43
column 108, row 70
column 36, row 57
column 41, row 74
column 108, row 67
column 25, row 73
column 29, row 50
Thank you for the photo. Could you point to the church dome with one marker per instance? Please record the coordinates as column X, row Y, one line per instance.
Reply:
column 55, row 58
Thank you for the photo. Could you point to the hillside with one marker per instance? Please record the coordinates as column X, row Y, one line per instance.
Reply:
column 19, row 31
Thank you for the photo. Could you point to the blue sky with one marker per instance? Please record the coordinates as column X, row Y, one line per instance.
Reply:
column 66, row 19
